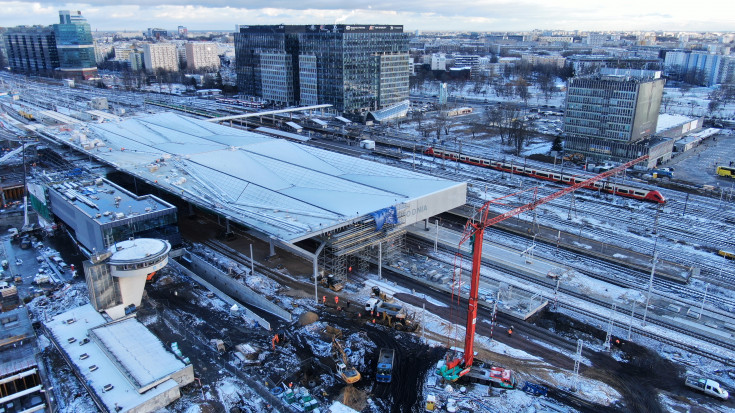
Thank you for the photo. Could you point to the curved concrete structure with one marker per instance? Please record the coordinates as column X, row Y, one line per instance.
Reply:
column 131, row 262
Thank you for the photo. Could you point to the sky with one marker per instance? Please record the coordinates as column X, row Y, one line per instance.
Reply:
column 473, row 15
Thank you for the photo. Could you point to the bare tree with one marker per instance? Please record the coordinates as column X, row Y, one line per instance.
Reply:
column 494, row 118
column 546, row 85
column 666, row 101
column 521, row 89
column 474, row 128
column 439, row 123
column 518, row 132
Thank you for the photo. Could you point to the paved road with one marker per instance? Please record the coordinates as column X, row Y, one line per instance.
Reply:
column 697, row 166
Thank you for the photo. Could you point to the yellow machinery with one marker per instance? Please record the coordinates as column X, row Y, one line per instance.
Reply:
column 346, row 371
column 725, row 171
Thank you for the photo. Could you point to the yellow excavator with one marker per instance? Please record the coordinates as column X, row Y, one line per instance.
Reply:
column 345, row 370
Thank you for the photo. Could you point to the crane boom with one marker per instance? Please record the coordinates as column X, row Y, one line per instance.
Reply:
column 477, row 229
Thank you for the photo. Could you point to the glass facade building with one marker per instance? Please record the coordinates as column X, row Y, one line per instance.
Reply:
column 75, row 45
column 31, row 49
column 354, row 68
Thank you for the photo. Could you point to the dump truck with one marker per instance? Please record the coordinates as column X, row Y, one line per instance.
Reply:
column 386, row 360
column 390, row 314
column 707, row 386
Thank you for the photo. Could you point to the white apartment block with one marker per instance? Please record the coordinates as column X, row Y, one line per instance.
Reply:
column 160, row 56
column 200, row 55
column 438, row 62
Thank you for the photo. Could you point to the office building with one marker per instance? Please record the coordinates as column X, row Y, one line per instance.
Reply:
column 160, row 56
column 202, row 55
column 354, row 68
column 156, row 33
column 31, row 50
column 99, row 213
column 75, row 46
column 611, row 115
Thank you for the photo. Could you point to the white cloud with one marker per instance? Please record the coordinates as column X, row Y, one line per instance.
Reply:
column 479, row 15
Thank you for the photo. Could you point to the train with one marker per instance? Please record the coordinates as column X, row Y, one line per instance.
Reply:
column 727, row 254
column 554, row 176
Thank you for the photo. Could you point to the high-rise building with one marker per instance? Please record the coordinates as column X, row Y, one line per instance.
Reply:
column 31, row 49
column 609, row 115
column 202, row 55
column 698, row 68
column 183, row 31
column 75, row 45
column 355, row 68
column 161, row 56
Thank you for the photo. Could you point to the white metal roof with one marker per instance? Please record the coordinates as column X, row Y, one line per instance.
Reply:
column 281, row 188
column 154, row 360
column 667, row 121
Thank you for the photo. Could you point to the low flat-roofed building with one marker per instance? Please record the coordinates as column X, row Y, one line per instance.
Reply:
column 21, row 386
column 125, row 367
column 677, row 126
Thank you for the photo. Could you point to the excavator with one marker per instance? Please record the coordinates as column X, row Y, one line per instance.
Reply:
column 345, row 370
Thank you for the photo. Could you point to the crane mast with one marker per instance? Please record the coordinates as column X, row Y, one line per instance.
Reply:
column 476, row 230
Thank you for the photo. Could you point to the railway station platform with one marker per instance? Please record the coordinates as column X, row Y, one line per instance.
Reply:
column 586, row 246
column 514, row 300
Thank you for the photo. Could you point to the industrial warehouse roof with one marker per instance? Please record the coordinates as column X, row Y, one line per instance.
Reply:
column 279, row 187
column 124, row 355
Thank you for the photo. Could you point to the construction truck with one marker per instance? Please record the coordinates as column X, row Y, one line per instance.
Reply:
column 386, row 360
column 707, row 386
column 376, row 293
column 331, row 282
column 345, row 370
column 390, row 314
column 577, row 158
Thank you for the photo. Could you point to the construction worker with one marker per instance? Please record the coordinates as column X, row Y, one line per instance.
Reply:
column 336, row 300
column 324, row 299
column 510, row 331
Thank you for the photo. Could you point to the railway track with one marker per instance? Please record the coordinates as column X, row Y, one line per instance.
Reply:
column 547, row 288
column 612, row 273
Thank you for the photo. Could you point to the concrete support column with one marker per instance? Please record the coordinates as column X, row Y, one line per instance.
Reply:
column 191, row 209
column 272, row 246
column 227, row 226
column 316, row 270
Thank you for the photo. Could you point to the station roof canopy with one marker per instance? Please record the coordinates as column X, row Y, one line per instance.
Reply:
column 394, row 111
column 281, row 188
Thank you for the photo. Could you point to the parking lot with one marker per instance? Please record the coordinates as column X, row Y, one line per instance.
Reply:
column 697, row 166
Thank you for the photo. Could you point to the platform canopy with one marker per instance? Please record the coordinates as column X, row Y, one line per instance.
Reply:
column 284, row 189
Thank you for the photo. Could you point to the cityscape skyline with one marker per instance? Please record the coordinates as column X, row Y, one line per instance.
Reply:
column 485, row 15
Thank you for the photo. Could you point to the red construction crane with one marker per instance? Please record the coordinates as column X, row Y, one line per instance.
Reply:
column 476, row 229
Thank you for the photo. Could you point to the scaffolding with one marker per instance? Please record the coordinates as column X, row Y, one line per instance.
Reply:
column 352, row 249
